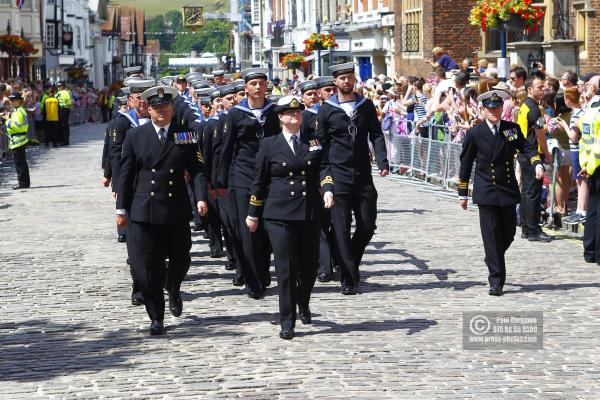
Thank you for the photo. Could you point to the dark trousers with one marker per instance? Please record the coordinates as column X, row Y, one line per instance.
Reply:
column 104, row 111
column 362, row 201
column 591, row 234
column 498, row 226
column 147, row 245
column 255, row 255
column 531, row 195
column 198, row 219
column 327, row 243
column 226, row 218
column 20, row 157
column 215, row 236
column 64, row 113
column 296, row 249
column 52, row 133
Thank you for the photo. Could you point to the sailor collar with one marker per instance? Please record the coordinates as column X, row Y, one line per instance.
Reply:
column 244, row 106
column 131, row 115
column 335, row 102
column 314, row 109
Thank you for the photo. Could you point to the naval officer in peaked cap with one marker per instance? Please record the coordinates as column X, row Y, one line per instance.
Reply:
column 153, row 201
column 285, row 196
column 492, row 145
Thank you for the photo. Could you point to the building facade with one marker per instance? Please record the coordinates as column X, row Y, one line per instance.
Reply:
column 565, row 40
column 26, row 21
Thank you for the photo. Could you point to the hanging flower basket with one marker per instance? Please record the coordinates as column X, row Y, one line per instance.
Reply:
column 292, row 60
column 319, row 41
column 508, row 15
column 15, row 44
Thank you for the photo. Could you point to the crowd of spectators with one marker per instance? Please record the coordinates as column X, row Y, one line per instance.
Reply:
column 88, row 105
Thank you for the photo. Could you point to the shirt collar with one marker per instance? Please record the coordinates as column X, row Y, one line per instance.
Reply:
column 157, row 128
column 490, row 125
column 288, row 135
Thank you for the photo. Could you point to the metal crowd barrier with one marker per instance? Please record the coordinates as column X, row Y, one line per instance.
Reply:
column 4, row 144
column 425, row 158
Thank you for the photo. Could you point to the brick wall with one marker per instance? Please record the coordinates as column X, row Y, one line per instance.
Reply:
column 593, row 46
column 452, row 32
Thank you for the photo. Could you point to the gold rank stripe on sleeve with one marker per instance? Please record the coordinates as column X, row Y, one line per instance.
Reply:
column 535, row 158
column 463, row 185
column 255, row 202
column 200, row 157
column 328, row 179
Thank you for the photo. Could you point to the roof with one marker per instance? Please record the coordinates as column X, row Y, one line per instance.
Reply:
column 127, row 23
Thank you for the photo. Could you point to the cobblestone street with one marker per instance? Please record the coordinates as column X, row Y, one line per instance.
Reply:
column 69, row 330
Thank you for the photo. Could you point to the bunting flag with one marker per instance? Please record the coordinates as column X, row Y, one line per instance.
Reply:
column 20, row 3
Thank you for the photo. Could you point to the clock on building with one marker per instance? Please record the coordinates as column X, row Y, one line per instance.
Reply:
column 193, row 17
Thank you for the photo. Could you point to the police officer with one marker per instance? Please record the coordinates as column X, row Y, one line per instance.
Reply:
column 247, row 123
column 137, row 116
column 492, row 145
column 347, row 121
column 16, row 129
column 153, row 194
column 64, row 108
column 589, row 158
column 285, row 194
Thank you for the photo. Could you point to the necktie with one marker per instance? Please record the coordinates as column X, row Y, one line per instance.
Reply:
column 161, row 136
column 495, row 130
column 295, row 144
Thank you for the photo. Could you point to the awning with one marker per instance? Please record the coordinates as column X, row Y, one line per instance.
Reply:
column 194, row 62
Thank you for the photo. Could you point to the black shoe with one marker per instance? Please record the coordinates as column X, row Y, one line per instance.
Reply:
column 348, row 290
column 175, row 304
column 238, row 280
column 305, row 315
column 287, row 334
column 229, row 266
column 216, row 253
column 540, row 237
column 205, row 235
column 157, row 327
column 256, row 295
column 323, row 277
column 128, row 263
column 495, row 291
column 524, row 234
column 197, row 228
column 122, row 238
column 137, row 299
column 19, row 186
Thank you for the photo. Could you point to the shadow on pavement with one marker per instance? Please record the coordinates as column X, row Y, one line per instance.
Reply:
column 39, row 350
column 413, row 211
column 541, row 287
column 411, row 325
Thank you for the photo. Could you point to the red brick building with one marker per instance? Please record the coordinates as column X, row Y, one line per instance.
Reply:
column 422, row 25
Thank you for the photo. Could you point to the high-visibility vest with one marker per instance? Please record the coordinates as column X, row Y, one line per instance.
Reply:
column 17, row 127
column 64, row 98
column 111, row 101
column 589, row 145
column 51, row 108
